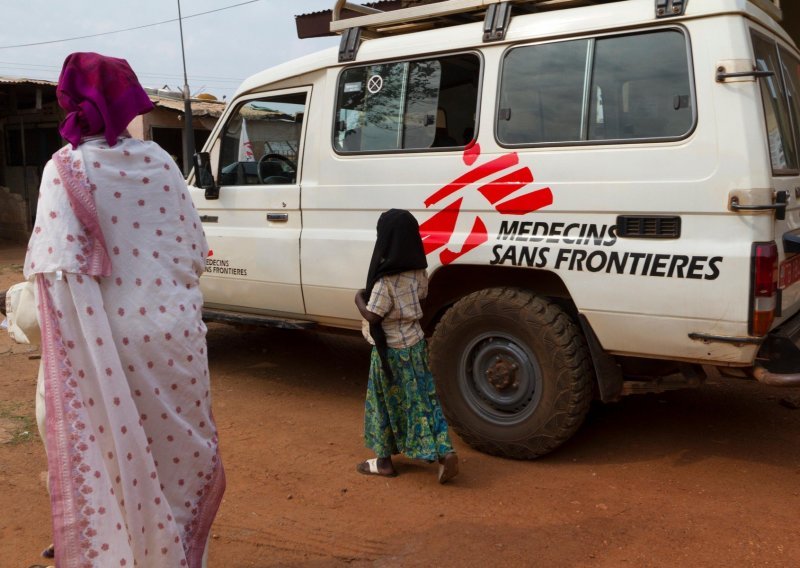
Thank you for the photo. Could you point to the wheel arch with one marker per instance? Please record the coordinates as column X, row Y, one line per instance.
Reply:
column 449, row 284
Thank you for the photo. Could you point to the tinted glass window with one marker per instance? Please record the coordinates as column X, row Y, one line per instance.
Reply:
column 541, row 98
column 779, row 131
column 639, row 87
column 791, row 74
column 408, row 105
column 261, row 141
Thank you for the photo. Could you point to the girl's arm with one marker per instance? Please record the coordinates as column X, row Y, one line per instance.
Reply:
column 361, row 304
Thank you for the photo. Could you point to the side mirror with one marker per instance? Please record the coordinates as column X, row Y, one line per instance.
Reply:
column 205, row 179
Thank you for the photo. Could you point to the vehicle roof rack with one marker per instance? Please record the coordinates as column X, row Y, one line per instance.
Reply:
column 495, row 14
column 670, row 8
column 430, row 13
column 426, row 14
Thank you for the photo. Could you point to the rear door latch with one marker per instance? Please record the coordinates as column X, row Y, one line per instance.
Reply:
column 781, row 200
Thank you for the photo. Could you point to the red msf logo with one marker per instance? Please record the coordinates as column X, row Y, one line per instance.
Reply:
column 437, row 231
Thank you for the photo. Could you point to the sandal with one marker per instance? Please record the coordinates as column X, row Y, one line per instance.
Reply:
column 448, row 467
column 370, row 467
column 49, row 552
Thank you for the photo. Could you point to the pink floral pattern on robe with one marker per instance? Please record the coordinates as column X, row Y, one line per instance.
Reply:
column 117, row 252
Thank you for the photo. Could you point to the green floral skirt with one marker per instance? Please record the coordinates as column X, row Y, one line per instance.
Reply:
column 403, row 414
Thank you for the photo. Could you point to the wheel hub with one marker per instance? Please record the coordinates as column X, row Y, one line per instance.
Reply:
column 502, row 374
column 502, row 378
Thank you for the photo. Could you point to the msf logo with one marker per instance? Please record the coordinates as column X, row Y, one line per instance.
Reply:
column 437, row 232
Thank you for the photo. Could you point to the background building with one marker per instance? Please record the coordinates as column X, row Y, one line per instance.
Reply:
column 29, row 118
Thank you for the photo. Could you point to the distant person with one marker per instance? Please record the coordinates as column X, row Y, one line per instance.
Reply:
column 116, row 254
column 403, row 414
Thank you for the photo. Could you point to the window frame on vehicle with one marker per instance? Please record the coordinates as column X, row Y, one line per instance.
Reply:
column 425, row 57
column 794, row 128
column 220, row 131
column 587, row 95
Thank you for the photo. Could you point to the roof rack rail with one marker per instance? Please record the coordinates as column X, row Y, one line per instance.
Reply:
column 496, row 15
column 406, row 19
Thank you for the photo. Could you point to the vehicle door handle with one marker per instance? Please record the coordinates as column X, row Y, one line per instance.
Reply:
column 278, row 217
column 209, row 219
column 781, row 202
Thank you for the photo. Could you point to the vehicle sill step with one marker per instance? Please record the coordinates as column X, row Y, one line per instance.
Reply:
column 225, row 316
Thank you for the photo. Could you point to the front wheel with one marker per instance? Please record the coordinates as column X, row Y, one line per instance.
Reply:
column 513, row 373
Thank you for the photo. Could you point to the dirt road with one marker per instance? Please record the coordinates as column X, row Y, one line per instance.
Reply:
column 707, row 477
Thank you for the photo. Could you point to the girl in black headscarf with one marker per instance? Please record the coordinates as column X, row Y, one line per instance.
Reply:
column 403, row 414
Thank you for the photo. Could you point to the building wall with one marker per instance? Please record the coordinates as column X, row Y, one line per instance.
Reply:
column 160, row 120
column 19, row 186
column 13, row 216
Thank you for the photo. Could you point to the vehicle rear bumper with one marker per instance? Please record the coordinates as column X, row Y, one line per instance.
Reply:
column 778, row 360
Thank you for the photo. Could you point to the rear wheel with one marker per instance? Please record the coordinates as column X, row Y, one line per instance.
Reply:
column 512, row 370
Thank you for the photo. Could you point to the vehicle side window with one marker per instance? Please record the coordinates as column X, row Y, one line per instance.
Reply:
column 407, row 105
column 782, row 148
column 617, row 88
column 261, row 140
column 542, row 93
column 642, row 87
column 791, row 75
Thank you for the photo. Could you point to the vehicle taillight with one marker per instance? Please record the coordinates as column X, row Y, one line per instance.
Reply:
column 765, row 288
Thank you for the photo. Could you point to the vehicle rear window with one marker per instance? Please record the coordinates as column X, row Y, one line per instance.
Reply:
column 791, row 73
column 407, row 105
column 779, row 96
column 619, row 88
column 790, row 66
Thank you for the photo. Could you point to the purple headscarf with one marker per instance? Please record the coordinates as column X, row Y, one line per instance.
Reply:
column 101, row 96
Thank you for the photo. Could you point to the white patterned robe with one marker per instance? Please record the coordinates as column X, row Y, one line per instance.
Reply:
column 117, row 252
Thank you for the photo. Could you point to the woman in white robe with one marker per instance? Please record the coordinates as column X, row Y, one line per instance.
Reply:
column 116, row 254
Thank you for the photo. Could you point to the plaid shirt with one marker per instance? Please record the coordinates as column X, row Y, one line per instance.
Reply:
column 397, row 299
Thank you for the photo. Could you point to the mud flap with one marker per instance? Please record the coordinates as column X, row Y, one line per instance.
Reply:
column 780, row 352
column 608, row 372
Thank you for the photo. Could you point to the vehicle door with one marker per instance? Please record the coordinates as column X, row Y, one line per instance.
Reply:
column 253, row 228
column 400, row 129
column 780, row 95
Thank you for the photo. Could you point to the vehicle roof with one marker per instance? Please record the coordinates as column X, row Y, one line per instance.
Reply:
column 545, row 25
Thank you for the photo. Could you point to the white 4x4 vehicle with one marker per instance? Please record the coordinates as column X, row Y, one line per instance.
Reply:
column 607, row 193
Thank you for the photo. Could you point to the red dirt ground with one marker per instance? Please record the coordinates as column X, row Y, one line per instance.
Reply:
column 706, row 477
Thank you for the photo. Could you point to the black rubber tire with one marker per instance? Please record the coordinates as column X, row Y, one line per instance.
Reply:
column 555, row 359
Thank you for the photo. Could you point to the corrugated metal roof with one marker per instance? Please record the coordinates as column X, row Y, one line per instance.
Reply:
column 370, row 4
column 317, row 24
column 25, row 81
column 199, row 107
